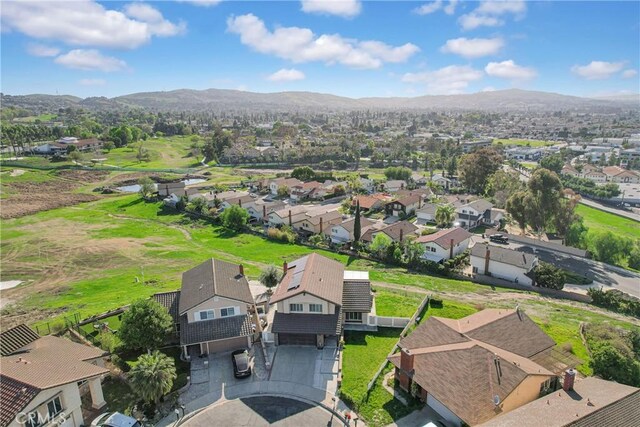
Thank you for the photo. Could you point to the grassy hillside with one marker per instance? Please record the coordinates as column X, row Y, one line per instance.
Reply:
column 598, row 220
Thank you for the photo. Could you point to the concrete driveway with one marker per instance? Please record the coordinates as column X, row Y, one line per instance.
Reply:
column 307, row 366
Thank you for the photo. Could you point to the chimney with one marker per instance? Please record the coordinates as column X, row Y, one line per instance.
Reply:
column 569, row 379
column 285, row 266
column 241, row 269
column 406, row 360
column 289, row 217
column 240, row 202
column 264, row 211
column 320, row 225
column 451, row 249
column 401, row 234
column 487, row 256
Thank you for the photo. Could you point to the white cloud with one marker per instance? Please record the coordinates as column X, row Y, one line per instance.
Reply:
column 93, row 82
column 489, row 13
column 204, row 3
column 449, row 80
column 597, row 70
column 302, row 45
column 344, row 8
column 286, row 75
column 435, row 6
column 509, row 70
column 489, row 89
column 90, row 59
column 87, row 23
column 37, row 49
column 473, row 48
column 627, row 74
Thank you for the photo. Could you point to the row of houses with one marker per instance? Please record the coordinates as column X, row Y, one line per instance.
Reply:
column 603, row 175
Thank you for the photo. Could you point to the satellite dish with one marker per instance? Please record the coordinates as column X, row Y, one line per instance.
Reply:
column 496, row 400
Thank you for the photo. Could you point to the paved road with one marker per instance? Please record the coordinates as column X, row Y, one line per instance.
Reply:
column 264, row 411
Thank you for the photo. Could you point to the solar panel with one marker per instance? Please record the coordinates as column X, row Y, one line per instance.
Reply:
column 297, row 274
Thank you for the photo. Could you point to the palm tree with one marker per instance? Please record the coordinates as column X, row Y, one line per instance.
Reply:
column 445, row 214
column 152, row 377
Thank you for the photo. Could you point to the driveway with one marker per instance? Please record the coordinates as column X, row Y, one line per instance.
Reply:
column 264, row 411
column 307, row 366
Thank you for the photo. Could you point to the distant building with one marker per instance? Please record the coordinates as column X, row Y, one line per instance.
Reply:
column 469, row 146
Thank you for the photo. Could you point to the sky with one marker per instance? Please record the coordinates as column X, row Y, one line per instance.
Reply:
column 350, row 48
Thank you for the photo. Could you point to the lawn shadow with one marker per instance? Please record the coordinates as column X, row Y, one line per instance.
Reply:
column 132, row 203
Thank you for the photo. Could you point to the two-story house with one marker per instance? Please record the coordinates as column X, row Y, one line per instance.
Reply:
column 343, row 232
column 503, row 263
column 315, row 298
column 42, row 378
column 288, row 183
column 393, row 185
column 405, row 205
column 477, row 212
column 303, row 190
column 399, row 231
column 259, row 210
column 445, row 244
column 317, row 223
column 214, row 308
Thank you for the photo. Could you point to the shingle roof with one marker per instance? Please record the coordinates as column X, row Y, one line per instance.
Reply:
column 428, row 208
column 349, row 224
column 357, row 296
column 298, row 323
column 503, row 255
column 480, row 205
column 15, row 396
column 443, row 238
column 215, row 329
column 317, row 275
column 394, row 229
column 170, row 301
column 52, row 361
column 593, row 403
column 213, row 278
column 15, row 338
column 407, row 200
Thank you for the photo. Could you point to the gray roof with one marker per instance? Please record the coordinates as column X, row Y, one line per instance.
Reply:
column 301, row 323
column 356, row 296
column 215, row 329
column 480, row 205
column 394, row 229
column 213, row 278
column 16, row 338
column 428, row 208
column 504, row 255
column 170, row 301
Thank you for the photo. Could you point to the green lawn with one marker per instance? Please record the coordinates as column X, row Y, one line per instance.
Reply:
column 32, row 119
column 524, row 142
column 450, row 310
column 598, row 220
column 397, row 303
column 529, row 165
column 165, row 153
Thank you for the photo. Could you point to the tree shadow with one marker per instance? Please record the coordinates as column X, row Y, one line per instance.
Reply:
column 133, row 203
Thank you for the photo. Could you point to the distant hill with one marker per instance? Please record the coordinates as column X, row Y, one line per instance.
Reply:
column 223, row 99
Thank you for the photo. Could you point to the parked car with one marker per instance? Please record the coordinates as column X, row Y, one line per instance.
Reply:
column 241, row 367
column 499, row 238
column 115, row 419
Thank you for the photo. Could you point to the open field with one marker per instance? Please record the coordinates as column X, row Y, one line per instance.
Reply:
column 524, row 142
column 33, row 119
column 598, row 220
column 164, row 153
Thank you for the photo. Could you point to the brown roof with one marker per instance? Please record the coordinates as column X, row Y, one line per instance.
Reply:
column 15, row 338
column 432, row 332
column 504, row 255
column 350, row 224
column 407, row 200
column 213, row 278
column 52, row 361
column 394, row 229
column 357, row 296
column 304, row 323
column 314, row 274
column 593, row 402
column 215, row 329
column 443, row 238
column 367, row 202
column 15, row 396
column 170, row 301
column 327, row 217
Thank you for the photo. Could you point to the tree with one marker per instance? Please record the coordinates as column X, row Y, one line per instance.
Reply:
column 517, row 209
column 576, row 234
column 341, row 164
column 565, row 216
column 234, row 217
column 75, row 155
column 270, row 276
column 339, row 190
column 554, row 162
column 608, row 247
column 108, row 146
column 502, row 185
column 357, row 226
column 145, row 325
column 400, row 173
column 610, row 364
column 545, row 189
column 152, row 377
column 326, row 164
column 379, row 245
column 147, row 187
column 413, row 252
column 143, row 154
column 549, row 276
column 445, row 214
column 303, row 173
column 283, row 191
column 197, row 206
column 634, row 256
column 477, row 167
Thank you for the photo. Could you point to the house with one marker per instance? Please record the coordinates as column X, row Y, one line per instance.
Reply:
column 374, row 202
column 524, row 153
column 315, row 298
column 472, row 369
column 260, row 209
column 445, row 244
column 240, row 199
column 287, row 215
column 442, row 181
column 475, row 213
column 393, row 185
column 427, row 213
column 167, row 188
column 42, row 379
column 317, row 223
column 368, row 185
column 275, row 184
column 620, row 175
column 343, row 232
column 418, row 179
column 469, row 146
column 214, row 308
column 397, row 232
column 587, row 402
column 503, row 263
column 303, row 190
column 405, row 205
column 569, row 170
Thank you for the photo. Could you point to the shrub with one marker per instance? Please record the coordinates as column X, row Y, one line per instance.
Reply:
column 549, row 276
column 281, row 235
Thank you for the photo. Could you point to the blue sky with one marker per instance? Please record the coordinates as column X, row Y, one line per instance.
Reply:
column 350, row 48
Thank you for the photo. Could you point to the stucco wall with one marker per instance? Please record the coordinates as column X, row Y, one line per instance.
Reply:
column 305, row 300
column 216, row 303
column 71, row 405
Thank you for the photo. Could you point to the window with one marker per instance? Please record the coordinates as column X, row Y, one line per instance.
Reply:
column 315, row 308
column 295, row 308
column 432, row 249
column 475, row 269
column 228, row 311
column 54, row 406
column 204, row 315
column 353, row 317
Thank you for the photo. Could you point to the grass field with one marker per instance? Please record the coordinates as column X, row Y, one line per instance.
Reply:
column 524, row 142
column 598, row 220
column 397, row 303
column 165, row 153
column 32, row 119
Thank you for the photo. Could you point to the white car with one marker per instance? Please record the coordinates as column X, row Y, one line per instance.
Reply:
column 115, row 419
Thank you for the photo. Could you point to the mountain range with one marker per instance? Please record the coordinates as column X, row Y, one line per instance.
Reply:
column 240, row 101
